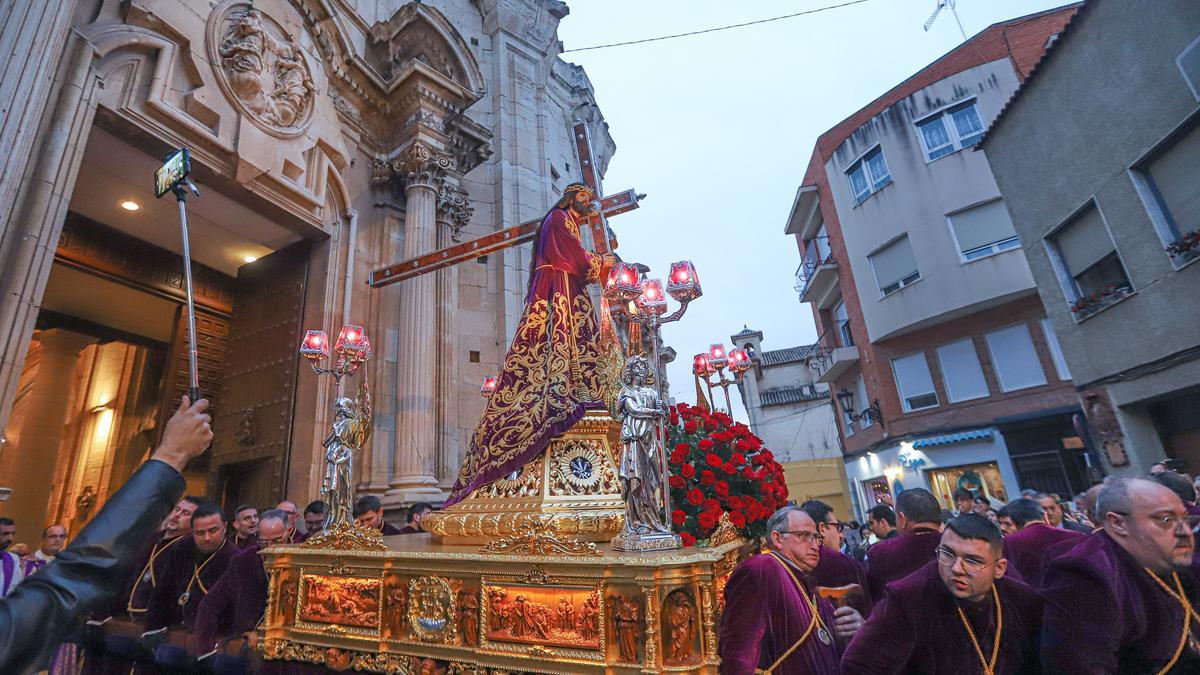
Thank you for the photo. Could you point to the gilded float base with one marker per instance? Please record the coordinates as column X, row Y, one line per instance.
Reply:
column 571, row 489
column 656, row 541
column 422, row 606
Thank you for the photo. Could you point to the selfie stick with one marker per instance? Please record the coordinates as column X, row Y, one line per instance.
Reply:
column 180, row 188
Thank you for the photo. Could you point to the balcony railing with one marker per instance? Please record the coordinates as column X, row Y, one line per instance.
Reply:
column 817, row 258
column 830, row 362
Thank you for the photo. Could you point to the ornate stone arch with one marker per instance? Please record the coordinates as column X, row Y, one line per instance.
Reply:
column 418, row 31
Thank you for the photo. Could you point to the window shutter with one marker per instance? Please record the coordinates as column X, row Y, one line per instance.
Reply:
column 982, row 225
column 961, row 371
column 1084, row 242
column 1176, row 174
column 914, row 382
column 1014, row 358
column 894, row 262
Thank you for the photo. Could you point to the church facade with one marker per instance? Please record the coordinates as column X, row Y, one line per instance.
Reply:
column 328, row 138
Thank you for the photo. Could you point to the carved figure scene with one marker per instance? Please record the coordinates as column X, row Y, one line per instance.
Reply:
column 468, row 616
column 564, row 617
column 431, row 609
column 679, row 628
column 626, row 617
column 285, row 604
column 353, row 602
column 395, row 602
column 265, row 69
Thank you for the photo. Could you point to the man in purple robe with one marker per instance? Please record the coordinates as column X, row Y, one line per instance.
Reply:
column 54, row 540
column 919, row 519
column 415, row 513
column 774, row 621
column 1118, row 601
column 244, row 532
column 235, row 604
column 1180, row 485
column 1034, row 543
column 368, row 512
column 314, row 518
column 292, row 535
column 11, row 571
column 943, row 618
column 557, row 366
column 836, row 569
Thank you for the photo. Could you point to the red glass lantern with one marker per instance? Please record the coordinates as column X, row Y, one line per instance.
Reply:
column 352, row 342
column 315, row 345
column 622, row 284
column 717, row 357
column 489, row 386
column 700, row 365
column 739, row 360
column 682, row 282
column 652, row 300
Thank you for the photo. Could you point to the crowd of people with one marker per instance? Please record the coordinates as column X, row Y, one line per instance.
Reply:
column 1107, row 585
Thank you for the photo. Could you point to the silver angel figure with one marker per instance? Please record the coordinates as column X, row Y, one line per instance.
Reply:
column 640, row 409
column 351, row 429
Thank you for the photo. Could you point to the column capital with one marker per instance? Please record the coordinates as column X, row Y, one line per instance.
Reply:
column 418, row 165
column 454, row 208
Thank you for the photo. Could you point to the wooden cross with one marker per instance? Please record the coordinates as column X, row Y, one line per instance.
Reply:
column 518, row 234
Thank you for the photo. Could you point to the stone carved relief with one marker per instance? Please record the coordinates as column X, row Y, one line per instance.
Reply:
column 418, row 164
column 408, row 37
column 263, row 70
column 679, row 628
column 581, row 470
column 454, row 204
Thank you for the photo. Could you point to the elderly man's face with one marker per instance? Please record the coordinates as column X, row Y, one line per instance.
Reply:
column 1157, row 532
column 271, row 531
column 1053, row 510
column 800, row 543
column 180, row 520
column 292, row 511
column 54, row 540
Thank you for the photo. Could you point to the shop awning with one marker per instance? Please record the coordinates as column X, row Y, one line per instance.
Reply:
column 947, row 439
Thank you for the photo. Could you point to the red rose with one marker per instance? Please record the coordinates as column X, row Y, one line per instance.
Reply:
column 688, row 538
column 677, row 482
column 714, row 461
column 738, row 520
column 705, row 445
column 707, row 520
column 738, row 458
column 747, row 473
column 757, row 460
column 721, row 488
column 711, row 505
column 729, row 468
column 695, row 497
column 710, row 424
column 734, row 503
column 689, row 426
column 687, row 470
column 678, row 517
column 678, row 457
column 707, row 477
column 683, row 447
column 674, row 419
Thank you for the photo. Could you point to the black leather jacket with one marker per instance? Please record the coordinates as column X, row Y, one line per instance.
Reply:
column 41, row 610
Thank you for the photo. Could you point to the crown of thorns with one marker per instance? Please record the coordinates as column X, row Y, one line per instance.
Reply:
column 577, row 187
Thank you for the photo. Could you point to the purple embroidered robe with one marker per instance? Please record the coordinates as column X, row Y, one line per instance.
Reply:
column 1105, row 614
column 164, row 610
column 1029, row 550
column 915, row 628
column 765, row 614
column 236, row 603
column 900, row 556
column 556, row 368
column 838, row 569
column 11, row 572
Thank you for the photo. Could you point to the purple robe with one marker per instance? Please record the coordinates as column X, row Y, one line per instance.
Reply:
column 557, row 366
column 1105, row 614
column 144, row 576
column 838, row 569
column 242, row 543
column 900, row 556
column 1030, row 549
column 915, row 628
column 164, row 610
column 10, row 572
column 409, row 529
column 236, row 603
column 764, row 616
column 390, row 529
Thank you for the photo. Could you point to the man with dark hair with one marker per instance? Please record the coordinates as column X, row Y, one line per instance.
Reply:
column 233, row 607
column 314, row 518
column 245, row 527
column 1034, row 543
column 415, row 513
column 10, row 564
column 1121, row 601
column 368, row 512
column 54, row 540
column 1054, row 513
column 836, row 570
column 882, row 520
column 957, row 614
column 1005, row 521
column 1180, row 485
column 919, row 518
column 964, row 500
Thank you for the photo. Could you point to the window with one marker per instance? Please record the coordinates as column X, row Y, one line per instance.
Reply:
column 860, row 395
column 895, row 266
column 842, row 319
column 914, row 383
column 983, row 230
column 1056, row 352
column 868, row 175
column 950, row 130
column 961, row 371
column 1173, row 178
column 1092, row 270
column 1014, row 358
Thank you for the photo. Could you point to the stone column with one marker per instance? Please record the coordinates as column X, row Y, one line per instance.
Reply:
column 454, row 213
column 423, row 168
column 35, row 454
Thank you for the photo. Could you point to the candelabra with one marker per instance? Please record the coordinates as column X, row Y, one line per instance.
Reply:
column 351, row 421
column 704, row 366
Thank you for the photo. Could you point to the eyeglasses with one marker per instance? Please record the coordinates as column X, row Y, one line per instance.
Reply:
column 971, row 564
column 1169, row 522
column 805, row 536
column 840, row 527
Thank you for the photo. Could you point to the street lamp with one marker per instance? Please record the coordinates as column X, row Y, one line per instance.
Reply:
column 704, row 366
column 352, row 348
column 871, row 415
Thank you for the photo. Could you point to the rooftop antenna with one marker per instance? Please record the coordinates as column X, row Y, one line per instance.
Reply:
column 943, row 4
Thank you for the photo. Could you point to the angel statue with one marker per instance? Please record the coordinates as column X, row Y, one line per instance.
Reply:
column 351, row 429
column 641, row 410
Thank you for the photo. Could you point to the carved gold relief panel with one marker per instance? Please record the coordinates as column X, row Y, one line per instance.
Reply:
column 341, row 601
column 560, row 616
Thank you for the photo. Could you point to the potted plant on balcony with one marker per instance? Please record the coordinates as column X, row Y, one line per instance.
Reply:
column 1184, row 245
column 1087, row 304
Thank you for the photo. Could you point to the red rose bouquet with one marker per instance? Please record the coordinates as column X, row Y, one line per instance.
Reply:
column 718, row 466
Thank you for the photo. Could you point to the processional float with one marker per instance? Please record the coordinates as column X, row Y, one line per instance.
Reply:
column 567, row 565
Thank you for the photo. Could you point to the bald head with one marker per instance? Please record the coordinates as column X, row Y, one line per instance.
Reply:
column 1089, row 504
column 1149, row 521
column 793, row 534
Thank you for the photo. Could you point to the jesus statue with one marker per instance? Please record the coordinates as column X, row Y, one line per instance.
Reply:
column 557, row 367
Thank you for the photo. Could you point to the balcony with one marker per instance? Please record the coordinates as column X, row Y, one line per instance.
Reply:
column 831, row 362
column 817, row 276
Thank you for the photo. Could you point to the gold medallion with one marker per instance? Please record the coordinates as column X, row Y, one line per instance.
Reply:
column 183, row 599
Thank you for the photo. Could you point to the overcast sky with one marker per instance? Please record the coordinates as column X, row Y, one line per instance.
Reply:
column 718, row 129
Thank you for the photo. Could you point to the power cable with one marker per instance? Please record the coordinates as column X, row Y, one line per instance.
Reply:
column 720, row 28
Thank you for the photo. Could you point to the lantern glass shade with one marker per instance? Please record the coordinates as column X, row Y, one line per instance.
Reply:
column 622, row 283
column 315, row 345
column 652, row 300
column 489, row 385
column 717, row 357
column 682, row 282
column 739, row 360
column 352, row 341
column 700, row 365
column 846, row 399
